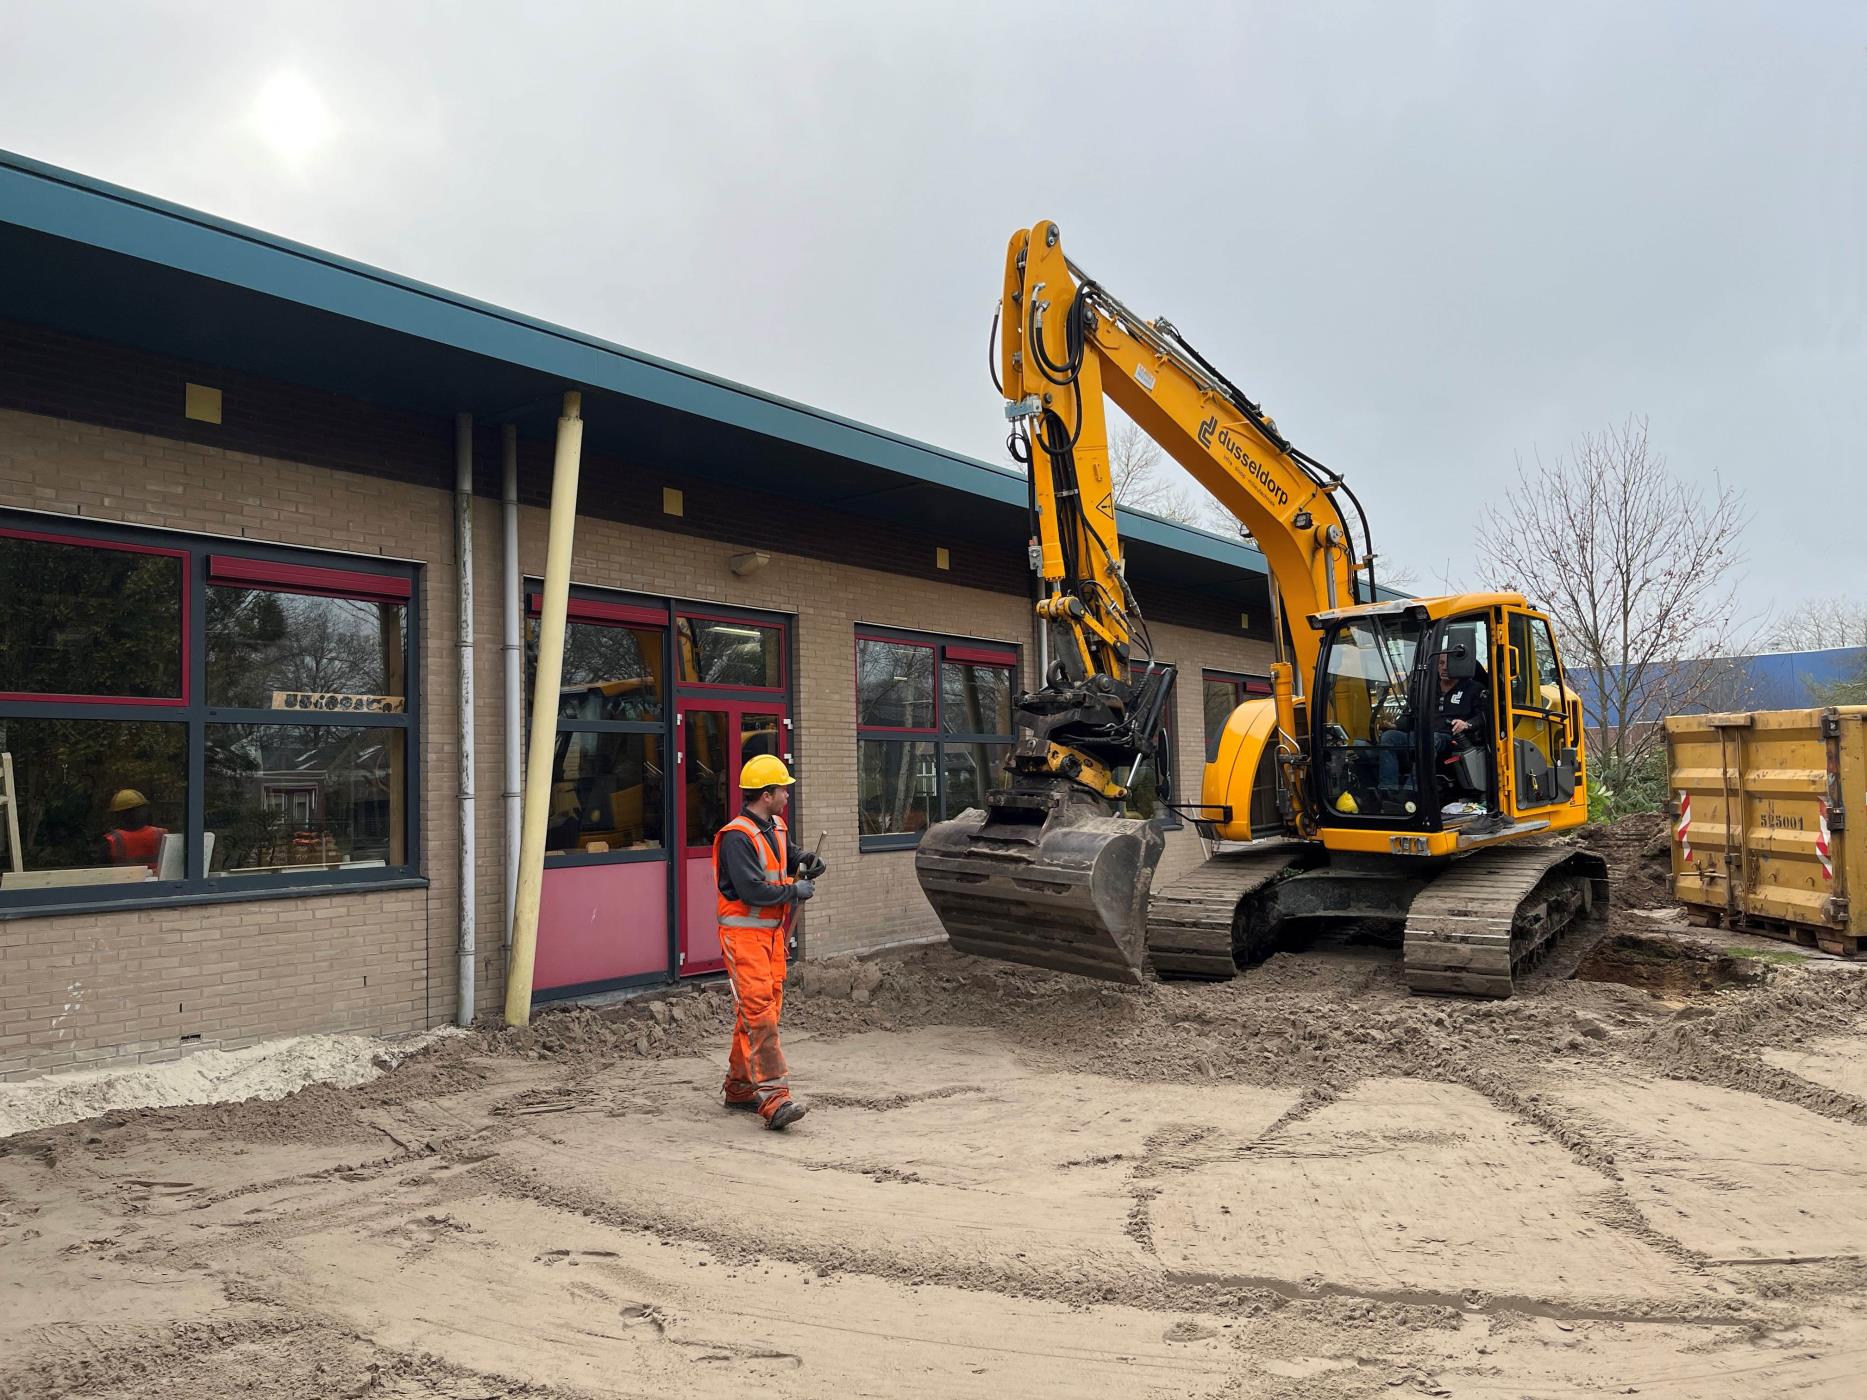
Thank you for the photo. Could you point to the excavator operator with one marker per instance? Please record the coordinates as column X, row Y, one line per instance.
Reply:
column 763, row 880
column 1459, row 708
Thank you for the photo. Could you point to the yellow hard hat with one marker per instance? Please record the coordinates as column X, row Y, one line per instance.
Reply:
column 127, row 799
column 1347, row 803
column 765, row 770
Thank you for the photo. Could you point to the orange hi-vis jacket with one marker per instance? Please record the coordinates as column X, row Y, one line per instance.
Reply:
column 736, row 913
column 140, row 847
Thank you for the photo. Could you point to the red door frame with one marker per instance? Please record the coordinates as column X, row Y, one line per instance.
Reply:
column 688, row 907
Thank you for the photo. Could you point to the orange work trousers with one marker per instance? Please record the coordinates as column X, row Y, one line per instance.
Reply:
column 755, row 966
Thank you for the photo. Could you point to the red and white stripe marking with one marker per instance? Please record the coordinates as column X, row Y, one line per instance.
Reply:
column 1821, row 844
column 1685, row 827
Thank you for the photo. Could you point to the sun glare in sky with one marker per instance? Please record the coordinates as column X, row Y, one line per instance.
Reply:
column 291, row 116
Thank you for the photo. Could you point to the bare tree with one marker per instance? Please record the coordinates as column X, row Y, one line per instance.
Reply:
column 1141, row 483
column 1637, row 568
column 1821, row 624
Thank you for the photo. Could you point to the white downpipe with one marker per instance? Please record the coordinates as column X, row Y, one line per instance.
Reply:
column 514, row 589
column 463, row 557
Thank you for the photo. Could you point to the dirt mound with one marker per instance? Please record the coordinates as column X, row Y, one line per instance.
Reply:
column 269, row 1071
column 1638, row 850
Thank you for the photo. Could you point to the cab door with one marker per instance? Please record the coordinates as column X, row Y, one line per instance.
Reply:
column 1537, row 762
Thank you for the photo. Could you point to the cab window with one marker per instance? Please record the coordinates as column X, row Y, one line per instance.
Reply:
column 1537, row 684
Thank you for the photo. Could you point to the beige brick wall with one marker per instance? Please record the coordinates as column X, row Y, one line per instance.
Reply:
column 104, row 987
column 81, row 988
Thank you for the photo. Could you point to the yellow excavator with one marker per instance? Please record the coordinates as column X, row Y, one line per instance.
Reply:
column 1406, row 773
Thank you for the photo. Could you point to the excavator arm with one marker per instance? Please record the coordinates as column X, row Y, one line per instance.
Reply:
column 1047, row 871
column 1064, row 343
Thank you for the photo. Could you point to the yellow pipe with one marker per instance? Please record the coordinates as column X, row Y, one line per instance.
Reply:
column 545, row 688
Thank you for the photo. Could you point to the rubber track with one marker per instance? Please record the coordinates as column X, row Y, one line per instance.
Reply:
column 1494, row 913
column 1189, row 922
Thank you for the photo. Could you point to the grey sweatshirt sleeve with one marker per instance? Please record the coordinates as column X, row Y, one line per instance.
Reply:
column 743, row 875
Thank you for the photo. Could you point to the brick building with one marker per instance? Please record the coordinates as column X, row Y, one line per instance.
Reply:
column 230, row 587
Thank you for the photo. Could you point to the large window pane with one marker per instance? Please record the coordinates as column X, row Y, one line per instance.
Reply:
column 894, row 685
column 975, row 699
column 898, row 784
column 730, row 653
column 78, row 783
column 606, row 793
column 760, row 734
column 972, row 770
column 709, row 804
column 1548, row 678
column 610, row 673
column 78, row 620
column 292, row 651
column 304, row 797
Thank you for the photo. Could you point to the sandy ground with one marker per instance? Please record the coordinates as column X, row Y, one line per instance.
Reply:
column 269, row 1070
column 1302, row 1184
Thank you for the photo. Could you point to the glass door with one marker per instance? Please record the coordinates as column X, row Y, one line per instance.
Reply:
column 1539, row 765
column 716, row 737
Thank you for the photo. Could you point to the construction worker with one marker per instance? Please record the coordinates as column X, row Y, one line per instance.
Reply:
column 762, row 882
column 133, row 841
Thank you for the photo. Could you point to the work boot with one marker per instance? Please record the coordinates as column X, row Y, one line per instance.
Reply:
column 785, row 1115
column 743, row 1105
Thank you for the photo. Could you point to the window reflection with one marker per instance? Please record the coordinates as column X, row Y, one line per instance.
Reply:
column 606, row 793
column 972, row 770
column 975, row 699
column 99, row 621
column 303, row 797
column 729, row 653
column 99, row 801
column 610, row 672
column 894, row 685
column 708, row 800
column 273, row 650
column 898, row 785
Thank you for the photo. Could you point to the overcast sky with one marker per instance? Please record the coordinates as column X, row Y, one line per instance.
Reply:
column 1429, row 238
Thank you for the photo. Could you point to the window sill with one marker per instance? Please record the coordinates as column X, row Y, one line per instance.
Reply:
column 237, row 896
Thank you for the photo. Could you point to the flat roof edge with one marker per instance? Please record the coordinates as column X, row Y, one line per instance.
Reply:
column 65, row 204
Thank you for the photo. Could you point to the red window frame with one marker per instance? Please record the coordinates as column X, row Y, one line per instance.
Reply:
column 608, row 614
column 229, row 571
column 177, row 702
column 958, row 652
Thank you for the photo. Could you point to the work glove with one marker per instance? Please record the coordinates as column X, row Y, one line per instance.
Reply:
column 803, row 890
column 812, row 867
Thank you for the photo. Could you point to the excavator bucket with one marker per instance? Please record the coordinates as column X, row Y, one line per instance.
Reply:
column 1050, row 884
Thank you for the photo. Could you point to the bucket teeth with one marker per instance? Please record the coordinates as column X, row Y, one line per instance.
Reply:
column 1069, row 894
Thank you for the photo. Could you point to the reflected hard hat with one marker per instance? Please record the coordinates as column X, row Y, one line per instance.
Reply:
column 127, row 799
column 765, row 770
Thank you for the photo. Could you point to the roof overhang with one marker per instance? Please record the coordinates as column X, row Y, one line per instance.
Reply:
column 111, row 264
